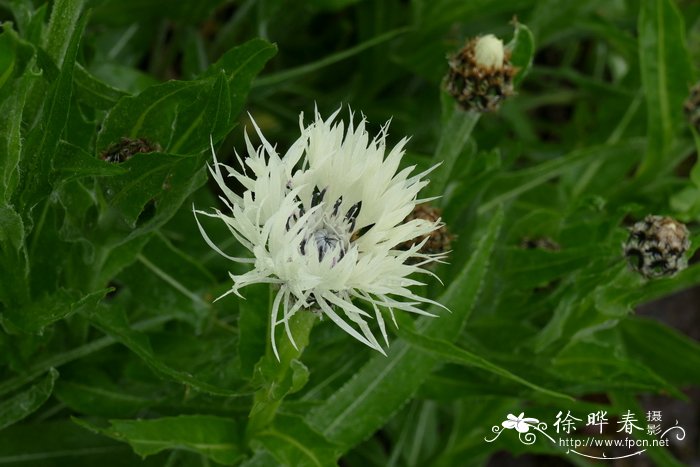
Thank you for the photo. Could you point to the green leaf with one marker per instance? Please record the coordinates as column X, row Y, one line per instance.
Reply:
column 58, row 359
column 293, row 442
column 154, row 113
column 522, row 50
column 657, row 346
column 25, row 403
column 44, row 311
column 215, row 118
column 512, row 184
column 528, row 268
column 14, row 287
column 99, row 398
column 64, row 22
column 112, row 321
column 666, row 75
column 43, row 138
column 61, row 442
column 220, row 439
column 448, row 352
column 180, row 116
column 16, row 54
column 73, row 163
column 384, row 384
column 93, row 91
column 163, row 179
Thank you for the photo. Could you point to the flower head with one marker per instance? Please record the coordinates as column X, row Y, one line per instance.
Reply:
column 657, row 245
column 323, row 223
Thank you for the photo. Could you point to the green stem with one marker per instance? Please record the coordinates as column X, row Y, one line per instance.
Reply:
column 279, row 376
column 64, row 18
column 281, row 77
column 457, row 128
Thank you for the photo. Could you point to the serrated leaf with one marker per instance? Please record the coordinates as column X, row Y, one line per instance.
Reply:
column 220, row 439
column 384, row 384
column 27, row 402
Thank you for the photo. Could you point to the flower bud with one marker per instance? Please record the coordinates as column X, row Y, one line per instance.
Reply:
column 480, row 74
column 656, row 246
column 488, row 52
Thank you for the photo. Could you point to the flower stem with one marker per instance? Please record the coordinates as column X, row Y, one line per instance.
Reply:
column 283, row 377
column 457, row 126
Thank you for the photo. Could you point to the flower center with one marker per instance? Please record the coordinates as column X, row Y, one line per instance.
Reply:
column 325, row 241
column 329, row 231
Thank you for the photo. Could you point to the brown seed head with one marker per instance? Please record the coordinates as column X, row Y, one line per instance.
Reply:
column 439, row 240
column 126, row 148
column 657, row 245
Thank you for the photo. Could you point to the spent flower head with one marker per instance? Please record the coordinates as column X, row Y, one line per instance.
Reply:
column 323, row 223
column 657, row 246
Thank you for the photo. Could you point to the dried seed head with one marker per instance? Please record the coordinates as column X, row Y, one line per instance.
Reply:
column 656, row 246
column 480, row 75
column 539, row 243
column 126, row 148
column 692, row 107
column 439, row 240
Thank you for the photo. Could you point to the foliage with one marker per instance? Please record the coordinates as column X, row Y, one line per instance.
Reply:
column 112, row 348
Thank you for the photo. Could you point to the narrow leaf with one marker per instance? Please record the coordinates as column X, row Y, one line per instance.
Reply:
column 666, row 75
column 449, row 352
column 25, row 403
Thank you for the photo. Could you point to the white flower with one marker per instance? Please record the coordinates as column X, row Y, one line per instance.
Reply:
column 323, row 223
column 489, row 52
column 521, row 424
